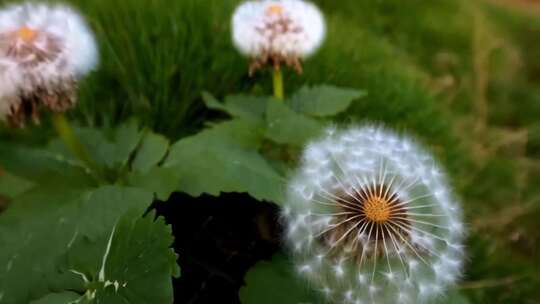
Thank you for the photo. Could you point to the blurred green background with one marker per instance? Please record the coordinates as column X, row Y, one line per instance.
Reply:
column 462, row 76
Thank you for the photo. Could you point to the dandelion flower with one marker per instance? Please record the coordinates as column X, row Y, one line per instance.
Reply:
column 278, row 32
column 370, row 219
column 44, row 51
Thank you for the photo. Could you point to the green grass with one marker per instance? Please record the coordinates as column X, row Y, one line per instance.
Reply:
column 420, row 66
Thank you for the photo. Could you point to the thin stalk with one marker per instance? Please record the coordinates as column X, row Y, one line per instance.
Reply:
column 279, row 93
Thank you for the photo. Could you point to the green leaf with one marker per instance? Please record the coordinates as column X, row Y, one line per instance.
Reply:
column 162, row 181
column 274, row 282
column 43, row 166
column 41, row 228
column 11, row 185
column 212, row 103
column 125, row 140
column 109, row 148
column 225, row 159
column 324, row 100
column 284, row 126
column 58, row 298
column 151, row 151
column 130, row 156
column 239, row 106
column 130, row 263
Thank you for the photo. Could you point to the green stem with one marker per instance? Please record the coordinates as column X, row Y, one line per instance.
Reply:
column 279, row 93
column 64, row 130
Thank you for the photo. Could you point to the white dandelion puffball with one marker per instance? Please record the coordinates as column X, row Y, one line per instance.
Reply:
column 44, row 51
column 278, row 31
column 370, row 218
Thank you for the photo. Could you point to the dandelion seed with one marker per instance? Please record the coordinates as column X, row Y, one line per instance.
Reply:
column 44, row 51
column 278, row 32
column 393, row 232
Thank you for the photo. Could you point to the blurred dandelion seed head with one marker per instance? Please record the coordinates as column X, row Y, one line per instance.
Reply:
column 44, row 51
column 278, row 32
column 370, row 219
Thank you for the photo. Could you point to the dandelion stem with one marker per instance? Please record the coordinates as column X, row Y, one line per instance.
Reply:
column 65, row 131
column 279, row 93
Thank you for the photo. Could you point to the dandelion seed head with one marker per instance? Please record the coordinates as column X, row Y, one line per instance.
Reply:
column 44, row 51
column 382, row 224
column 278, row 32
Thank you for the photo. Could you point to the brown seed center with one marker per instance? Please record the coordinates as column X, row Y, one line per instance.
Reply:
column 368, row 219
column 377, row 209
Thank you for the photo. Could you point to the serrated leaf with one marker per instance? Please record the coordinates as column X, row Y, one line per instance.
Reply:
column 284, row 126
column 225, row 159
column 131, row 263
column 151, row 151
column 239, row 106
column 42, row 225
column 275, row 282
column 324, row 100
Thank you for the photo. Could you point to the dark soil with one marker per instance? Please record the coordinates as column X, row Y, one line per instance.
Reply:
column 217, row 240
